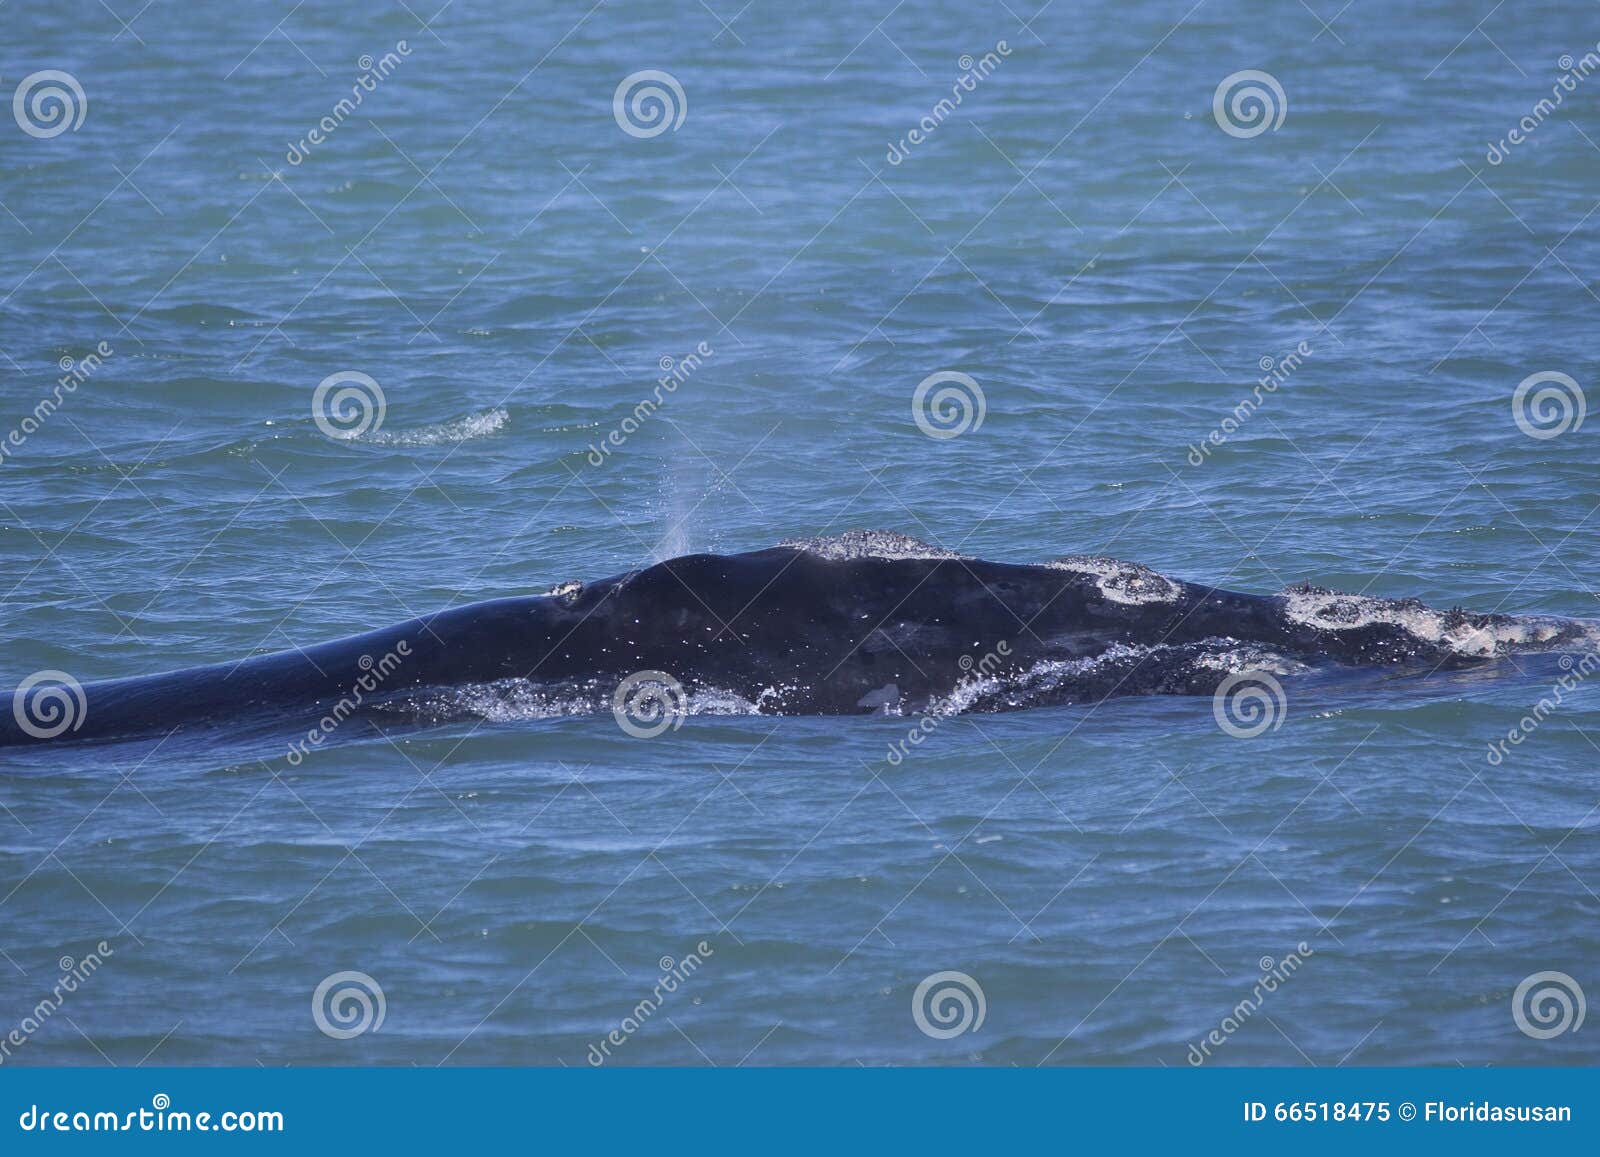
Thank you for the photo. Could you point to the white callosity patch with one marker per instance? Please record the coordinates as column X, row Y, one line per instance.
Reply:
column 567, row 592
column 870, row 544
column 1121, row 582
column 1471, row 635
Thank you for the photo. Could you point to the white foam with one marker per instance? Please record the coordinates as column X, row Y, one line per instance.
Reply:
column 465, row 429
column 519, row 700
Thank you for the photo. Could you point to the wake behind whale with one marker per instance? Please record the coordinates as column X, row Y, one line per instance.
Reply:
column 865, row 622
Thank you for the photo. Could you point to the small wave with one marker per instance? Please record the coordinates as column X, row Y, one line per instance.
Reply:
column 465, row 429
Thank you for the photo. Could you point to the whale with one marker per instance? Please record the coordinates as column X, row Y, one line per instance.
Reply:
column 866, row 622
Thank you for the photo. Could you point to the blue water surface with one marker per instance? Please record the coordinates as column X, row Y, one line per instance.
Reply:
column 1111, row 250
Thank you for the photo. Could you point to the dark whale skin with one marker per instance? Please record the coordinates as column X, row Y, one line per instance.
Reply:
column 795, row 630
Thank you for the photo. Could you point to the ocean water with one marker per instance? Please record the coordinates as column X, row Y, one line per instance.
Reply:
column 485, row 239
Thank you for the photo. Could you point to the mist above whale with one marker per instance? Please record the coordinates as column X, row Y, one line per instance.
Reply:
column 865, row 622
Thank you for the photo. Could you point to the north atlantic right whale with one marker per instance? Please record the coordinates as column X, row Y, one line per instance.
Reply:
column 865, row 622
